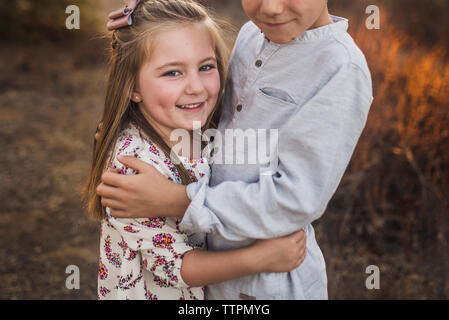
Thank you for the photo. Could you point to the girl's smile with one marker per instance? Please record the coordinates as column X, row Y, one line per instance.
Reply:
column 193, row 107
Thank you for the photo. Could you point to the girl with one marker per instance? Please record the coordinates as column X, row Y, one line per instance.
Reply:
column 167, row 70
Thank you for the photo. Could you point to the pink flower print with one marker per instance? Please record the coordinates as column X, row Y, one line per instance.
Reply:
column 102, row 271
column 154, row 150
column 174, row 278
column 132, row 255
column 104, row 291
column 109, row 224
column 178, row 230
column 113, row 258
column 192, row 295
column 148, row 294
column 128, row 140
column 171, row 167
column 123, row 170
column 161, row 282
column 192, row 175
column 127, row 283
column 156, row 223
column 130, row 229
column 163, row 240
column 160, row 261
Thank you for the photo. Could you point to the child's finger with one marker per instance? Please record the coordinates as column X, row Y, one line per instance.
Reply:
column 112, row 204
column 135, row 164
column 112, row 178
column 300, row 235
column 301, row 259
column 107, row 191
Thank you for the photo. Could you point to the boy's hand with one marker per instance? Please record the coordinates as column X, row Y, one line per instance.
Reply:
column 147, row 194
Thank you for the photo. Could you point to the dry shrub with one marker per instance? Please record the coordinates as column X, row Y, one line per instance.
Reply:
column 394, row 194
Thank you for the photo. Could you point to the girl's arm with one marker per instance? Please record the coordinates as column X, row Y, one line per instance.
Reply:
column 166, row 253
column 200, row 268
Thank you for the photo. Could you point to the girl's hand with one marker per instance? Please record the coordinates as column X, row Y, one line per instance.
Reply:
column 280, row 254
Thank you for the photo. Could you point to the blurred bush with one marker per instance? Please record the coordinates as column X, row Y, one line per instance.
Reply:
column 35, row 21
column 426, row 20
column 394, row 194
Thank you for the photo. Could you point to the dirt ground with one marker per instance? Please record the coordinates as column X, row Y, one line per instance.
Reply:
column 51, row 97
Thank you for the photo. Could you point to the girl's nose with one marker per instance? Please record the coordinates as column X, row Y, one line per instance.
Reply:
column 194, row 84
column 271, row 7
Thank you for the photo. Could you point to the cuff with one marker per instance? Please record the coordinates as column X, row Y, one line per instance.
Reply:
column 197, row 217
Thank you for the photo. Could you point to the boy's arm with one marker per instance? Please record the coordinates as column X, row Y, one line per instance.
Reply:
column 315, row 147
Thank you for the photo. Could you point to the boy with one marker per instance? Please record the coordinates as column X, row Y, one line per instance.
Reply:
column 296, row 69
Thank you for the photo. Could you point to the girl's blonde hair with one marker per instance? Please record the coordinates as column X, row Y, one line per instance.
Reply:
column 130, row 48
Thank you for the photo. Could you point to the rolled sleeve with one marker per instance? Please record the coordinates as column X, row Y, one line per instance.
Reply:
column 197, row 218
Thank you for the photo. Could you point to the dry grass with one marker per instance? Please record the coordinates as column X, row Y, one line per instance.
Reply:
column 50, row 98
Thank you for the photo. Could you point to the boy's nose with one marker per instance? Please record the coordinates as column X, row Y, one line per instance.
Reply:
column 271, row 7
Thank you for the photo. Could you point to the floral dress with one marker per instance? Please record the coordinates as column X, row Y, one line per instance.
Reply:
column 142, row 258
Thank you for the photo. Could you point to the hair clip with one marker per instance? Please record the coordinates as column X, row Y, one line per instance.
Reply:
column 122, row 17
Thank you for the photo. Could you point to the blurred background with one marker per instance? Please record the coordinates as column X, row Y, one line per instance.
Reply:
column 391, row 209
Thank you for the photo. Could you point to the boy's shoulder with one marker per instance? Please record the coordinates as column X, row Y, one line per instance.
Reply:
column 249, row 27
column 343, row 51
column 247, row 32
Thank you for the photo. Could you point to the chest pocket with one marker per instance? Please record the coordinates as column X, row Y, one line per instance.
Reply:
column 277, row 94
column 266, row 108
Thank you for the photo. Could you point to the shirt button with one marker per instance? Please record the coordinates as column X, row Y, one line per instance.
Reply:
column 258, row 63
column 239, row 107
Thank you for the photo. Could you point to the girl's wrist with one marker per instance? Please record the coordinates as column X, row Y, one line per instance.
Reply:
column 255, row 261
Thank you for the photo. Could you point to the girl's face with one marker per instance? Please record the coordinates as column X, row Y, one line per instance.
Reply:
column 180, row 82
column 284, row 20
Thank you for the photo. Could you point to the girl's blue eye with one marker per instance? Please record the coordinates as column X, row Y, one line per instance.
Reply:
column 171, row 74
column 207, row 67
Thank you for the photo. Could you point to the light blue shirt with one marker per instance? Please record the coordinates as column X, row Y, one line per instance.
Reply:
column 317, row 91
